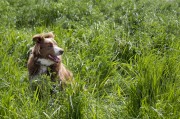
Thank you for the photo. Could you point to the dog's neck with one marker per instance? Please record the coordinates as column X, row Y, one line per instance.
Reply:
column 44, row 64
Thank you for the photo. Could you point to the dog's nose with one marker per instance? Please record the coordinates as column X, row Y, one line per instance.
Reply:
column 61, row 52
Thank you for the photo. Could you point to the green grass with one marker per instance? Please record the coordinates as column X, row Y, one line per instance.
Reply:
column 124, row 54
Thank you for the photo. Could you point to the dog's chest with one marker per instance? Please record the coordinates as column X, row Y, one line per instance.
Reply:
column 45, row 63
column 43, row 69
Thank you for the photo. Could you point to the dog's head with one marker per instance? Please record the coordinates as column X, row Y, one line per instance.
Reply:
column 46, row 49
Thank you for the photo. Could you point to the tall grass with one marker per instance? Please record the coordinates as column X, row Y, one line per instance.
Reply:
column 124, row 54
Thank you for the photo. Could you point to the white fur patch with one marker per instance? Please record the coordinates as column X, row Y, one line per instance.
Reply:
column 45, row 62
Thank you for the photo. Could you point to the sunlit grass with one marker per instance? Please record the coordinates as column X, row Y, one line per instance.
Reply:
column 124, row 54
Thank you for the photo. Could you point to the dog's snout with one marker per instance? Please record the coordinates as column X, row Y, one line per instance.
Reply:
column 58, row 51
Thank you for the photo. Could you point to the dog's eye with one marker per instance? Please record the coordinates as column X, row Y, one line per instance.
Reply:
column 50, row 45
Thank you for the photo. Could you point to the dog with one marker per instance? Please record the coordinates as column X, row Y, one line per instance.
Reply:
column 45, row 58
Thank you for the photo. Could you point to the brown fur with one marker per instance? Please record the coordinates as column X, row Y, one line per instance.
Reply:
column 42, row 49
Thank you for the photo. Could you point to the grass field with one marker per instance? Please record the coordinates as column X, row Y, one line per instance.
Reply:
column 124, row 54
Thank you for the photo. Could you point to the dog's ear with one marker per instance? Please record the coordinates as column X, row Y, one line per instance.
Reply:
column 38, row 38
column 36, row 49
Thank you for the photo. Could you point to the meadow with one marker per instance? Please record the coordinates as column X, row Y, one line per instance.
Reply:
column 124, row 55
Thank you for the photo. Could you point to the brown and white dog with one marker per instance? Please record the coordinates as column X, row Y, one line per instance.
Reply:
column 45, row 58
